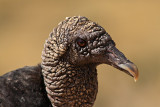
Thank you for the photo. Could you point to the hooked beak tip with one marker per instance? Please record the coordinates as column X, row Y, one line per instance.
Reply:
column 131, row 69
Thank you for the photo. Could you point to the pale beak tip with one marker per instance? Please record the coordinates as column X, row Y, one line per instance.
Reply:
column 131, row 69
column 136, row 77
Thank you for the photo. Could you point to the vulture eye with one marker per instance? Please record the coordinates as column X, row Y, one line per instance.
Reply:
column 81, row 42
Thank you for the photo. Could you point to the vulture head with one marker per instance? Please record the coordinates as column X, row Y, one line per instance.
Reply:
column 69, row 59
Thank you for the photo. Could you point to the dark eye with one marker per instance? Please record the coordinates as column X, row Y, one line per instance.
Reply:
column 81, row 42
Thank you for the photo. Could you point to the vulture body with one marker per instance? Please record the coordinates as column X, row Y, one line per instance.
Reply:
column 67, row 75
column 23, row 87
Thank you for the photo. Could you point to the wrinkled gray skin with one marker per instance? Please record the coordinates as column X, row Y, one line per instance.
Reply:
column 69, row 70
column 69, row 60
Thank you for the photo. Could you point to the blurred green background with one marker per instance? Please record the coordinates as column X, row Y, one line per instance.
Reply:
column 133, row 24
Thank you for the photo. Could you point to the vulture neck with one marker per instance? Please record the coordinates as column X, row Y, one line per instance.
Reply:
column 69, row 85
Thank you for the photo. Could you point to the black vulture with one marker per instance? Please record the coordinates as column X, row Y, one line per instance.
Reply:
column 67, row 75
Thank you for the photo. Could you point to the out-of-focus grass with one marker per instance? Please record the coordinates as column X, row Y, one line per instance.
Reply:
column 133, row 25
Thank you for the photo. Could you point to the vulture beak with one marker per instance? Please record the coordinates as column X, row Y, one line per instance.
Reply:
column 119, row 61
